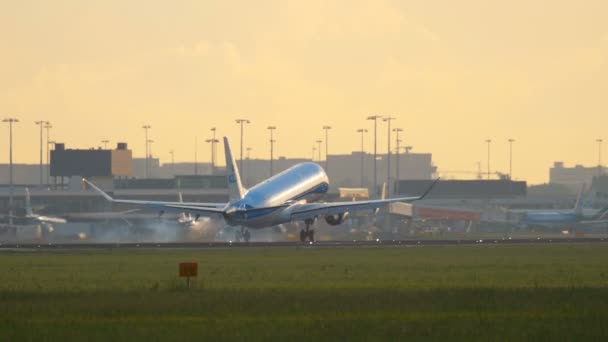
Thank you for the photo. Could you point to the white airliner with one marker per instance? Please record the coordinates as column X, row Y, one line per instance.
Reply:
column 31, row 218
column 42, row 224
column 286, row 197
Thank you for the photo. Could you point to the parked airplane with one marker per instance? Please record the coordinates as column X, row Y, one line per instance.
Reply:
column 29, row 219
column 560, row 217
column 286, row 197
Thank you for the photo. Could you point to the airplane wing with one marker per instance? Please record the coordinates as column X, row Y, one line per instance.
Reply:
column 310, row 210
column 202, row 209
column 591, row 223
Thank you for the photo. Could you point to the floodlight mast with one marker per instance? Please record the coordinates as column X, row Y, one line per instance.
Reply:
column 362, row 131
column 375, row 119
column 272, row 141
column 10, row 122
column 242, row 122
column 326, row 128
column 147, row 168
column 41, row 123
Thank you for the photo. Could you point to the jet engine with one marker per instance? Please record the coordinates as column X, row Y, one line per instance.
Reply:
column 334, row 220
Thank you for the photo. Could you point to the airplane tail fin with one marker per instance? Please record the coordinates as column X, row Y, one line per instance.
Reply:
column 578, row 207
column 590, row 197
column 28, row 203
column 235, row 187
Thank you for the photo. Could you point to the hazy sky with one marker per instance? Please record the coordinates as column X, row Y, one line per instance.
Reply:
column 453, row 73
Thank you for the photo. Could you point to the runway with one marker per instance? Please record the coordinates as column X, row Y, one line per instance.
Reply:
column 320, row 244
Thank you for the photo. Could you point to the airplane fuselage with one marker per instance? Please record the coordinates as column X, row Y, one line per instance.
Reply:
column 552, row 217
column 303, row 182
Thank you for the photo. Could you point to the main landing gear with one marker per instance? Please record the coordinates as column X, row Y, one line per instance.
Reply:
column 308, row 233
column 242, row 235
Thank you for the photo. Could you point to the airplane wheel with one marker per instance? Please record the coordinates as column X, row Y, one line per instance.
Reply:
column 311, row 235
column 302, row 235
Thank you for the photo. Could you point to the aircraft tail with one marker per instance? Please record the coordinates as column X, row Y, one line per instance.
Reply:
column 578, row 207
column 235, row 187
column 28, row 203
column 590, row 197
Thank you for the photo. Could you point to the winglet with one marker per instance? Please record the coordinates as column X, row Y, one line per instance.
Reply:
column 106, row 196
column 235, row 187
column 429, row 189
column 382, row 197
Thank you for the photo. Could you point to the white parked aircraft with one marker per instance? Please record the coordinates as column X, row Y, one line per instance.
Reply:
column 286, row 197
column 30, row 222
column 31, row 218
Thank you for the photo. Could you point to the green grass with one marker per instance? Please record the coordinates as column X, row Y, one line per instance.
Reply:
column 535, row 292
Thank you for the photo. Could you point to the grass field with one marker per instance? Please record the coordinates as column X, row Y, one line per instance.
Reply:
column 531, row 292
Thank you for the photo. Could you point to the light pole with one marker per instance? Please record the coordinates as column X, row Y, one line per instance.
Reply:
column 147, row 169
column 375, row 118
column 407, row 150
column 172, row 162
column 397, row 140
column 196, row 156
column 105, row 143
column 10, row 121
column 41, row 124
column 242, row 122
column 362, row 131
column 248, row 163
column 326, row 128
column 272, row 141
column 319, row 148
column 212, row 141
column 511, row 141
column 388, row 156
column 150, row 141
column 313, row 153
column 599, row 155
column 213, row 151
column 488, row 141
column 48, row 127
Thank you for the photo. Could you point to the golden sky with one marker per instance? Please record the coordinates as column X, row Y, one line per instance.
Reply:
column 453, row 73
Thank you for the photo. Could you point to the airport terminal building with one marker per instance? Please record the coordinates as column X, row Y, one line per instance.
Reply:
column 573, row 177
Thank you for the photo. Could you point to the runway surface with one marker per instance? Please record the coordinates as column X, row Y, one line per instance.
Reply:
column 350, row 244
